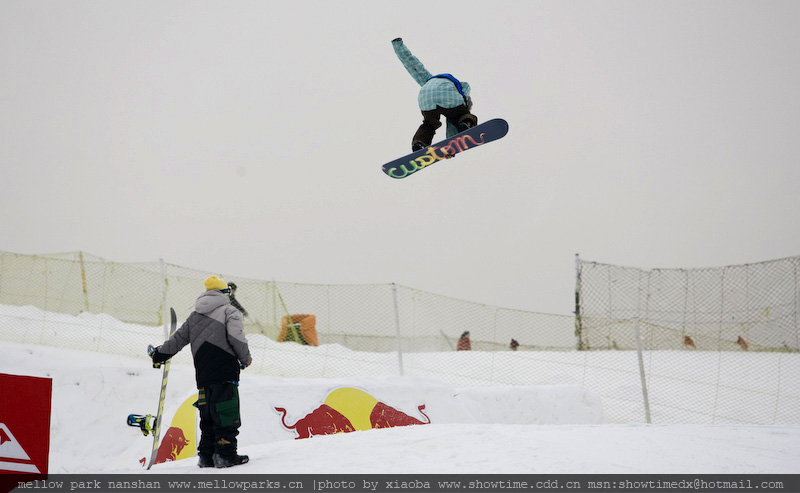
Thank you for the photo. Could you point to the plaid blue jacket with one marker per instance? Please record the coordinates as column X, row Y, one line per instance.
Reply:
column 434, row 92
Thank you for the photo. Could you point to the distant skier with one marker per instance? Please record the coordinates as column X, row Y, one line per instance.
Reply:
column 440, row 95
column 219, row 347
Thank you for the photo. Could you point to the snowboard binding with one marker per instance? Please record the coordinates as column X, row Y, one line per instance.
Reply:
column 143, row 422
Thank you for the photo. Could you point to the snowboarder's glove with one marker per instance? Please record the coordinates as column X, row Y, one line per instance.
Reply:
column 158, row 358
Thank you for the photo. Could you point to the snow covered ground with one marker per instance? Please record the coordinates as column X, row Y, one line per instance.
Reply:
column 93, row 393
column 542, row 429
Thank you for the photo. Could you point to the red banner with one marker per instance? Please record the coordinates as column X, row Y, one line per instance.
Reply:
column 24, row 424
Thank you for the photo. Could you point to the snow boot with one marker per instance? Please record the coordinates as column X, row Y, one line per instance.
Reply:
column 221, row 461
column 205, row 461
column 417, row 146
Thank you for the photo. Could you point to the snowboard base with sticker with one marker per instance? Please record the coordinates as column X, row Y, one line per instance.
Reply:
column 474, row 137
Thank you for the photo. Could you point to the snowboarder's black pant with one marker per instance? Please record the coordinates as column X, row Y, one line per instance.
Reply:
column 219, row 419
column 431, row 121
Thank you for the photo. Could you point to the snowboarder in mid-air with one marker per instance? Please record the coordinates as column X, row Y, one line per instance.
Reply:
column 440, row 95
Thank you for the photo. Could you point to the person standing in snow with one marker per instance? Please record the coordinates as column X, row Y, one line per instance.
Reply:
column 439, row 95
column 464, row 343
column 219, row 348
column 234, row 301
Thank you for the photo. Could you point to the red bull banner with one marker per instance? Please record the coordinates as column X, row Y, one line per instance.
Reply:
column 24, row 424
column 349, row 409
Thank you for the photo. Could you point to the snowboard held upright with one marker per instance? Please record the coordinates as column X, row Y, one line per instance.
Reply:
column 474, row 137
column 150, row 424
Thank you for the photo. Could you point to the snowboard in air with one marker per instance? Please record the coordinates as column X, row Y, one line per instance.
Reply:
column 464, row 141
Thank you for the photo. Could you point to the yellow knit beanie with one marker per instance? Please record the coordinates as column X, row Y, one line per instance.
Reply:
column 215, row 282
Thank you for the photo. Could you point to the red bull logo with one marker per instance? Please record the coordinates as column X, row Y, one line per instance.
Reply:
column 347, row 409
column 172, row 443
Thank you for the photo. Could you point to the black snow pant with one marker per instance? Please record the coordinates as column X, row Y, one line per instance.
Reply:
column 219, row 419
column 431, row 121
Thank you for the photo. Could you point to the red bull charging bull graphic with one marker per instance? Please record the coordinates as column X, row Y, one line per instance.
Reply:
column 171, row 446
column 348, row 409
column 179, row 441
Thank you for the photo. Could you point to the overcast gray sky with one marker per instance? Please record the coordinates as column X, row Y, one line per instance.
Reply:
column 247, row 138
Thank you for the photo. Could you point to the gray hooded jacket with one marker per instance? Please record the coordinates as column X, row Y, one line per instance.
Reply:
column 216, row 334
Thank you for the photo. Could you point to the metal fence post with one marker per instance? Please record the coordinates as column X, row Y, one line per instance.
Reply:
column 646, row 399
column 578, row 328
column 83, row 282
column 397, row 329
column 164, row 317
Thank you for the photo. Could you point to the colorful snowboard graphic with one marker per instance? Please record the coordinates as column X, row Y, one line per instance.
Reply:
column 474, row 137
